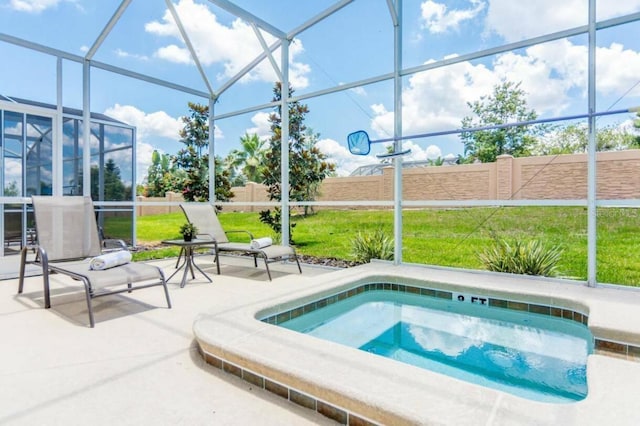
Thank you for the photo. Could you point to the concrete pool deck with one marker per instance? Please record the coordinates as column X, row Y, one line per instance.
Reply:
column 351, row 385
column 140, row 364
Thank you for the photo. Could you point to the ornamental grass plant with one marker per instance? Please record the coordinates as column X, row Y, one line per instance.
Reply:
column 372, row 245
column 522, row 257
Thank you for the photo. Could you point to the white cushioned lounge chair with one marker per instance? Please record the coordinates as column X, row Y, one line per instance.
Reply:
column 203, row 216
column 68, row 239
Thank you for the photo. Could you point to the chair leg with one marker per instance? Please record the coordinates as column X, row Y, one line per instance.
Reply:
column 179, row 256
column 217, row 260
column 267, row 265
column 166, row 293
column 164, row 285
column 23, row 261
column 45, row 274
column 298, row 262
column 87, row 291
column 45, row 278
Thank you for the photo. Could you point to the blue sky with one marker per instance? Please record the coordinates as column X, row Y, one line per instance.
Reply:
column 354, row 44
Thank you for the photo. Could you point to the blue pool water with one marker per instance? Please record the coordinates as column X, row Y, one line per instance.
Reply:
column 534, row 356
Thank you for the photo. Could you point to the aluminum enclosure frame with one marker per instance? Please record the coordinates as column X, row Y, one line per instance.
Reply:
column 283, row 39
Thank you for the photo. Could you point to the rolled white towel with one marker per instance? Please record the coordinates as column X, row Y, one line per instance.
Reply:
column 110, row 260
column 261, row 243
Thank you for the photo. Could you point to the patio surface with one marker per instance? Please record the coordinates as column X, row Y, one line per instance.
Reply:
column 140, row 364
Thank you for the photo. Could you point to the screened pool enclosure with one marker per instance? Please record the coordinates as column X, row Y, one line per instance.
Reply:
column 414, row 63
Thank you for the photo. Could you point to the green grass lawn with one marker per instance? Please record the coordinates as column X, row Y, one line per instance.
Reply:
column 448, row 237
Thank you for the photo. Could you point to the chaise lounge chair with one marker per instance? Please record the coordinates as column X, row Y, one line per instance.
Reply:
column 203, row 216
column 68, row 240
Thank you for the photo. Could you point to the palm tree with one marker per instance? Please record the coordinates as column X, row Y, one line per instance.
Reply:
column 251, row 158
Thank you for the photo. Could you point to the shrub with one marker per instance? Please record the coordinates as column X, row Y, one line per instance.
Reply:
column 372, row 245
column 519, row 257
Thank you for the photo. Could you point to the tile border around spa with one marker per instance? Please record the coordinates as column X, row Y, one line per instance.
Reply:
column 601, row 346
column 281, row 317
column 295, row 396
column 617, row 350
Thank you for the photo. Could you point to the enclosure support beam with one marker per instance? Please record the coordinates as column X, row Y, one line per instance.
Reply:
column 284, row 143
column 244, row 71
column 107, row 29
column 319, row 17
column 86, row 129
column 212, row 153
column 187, row 42
column 248, row 17
column 397, row 132
column 266, row 50
column 57, row 142
column 591, row 162
column 86, row 136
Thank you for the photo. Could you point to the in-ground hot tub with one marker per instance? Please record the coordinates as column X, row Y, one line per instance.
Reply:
column 528, row 352
column 350, row 385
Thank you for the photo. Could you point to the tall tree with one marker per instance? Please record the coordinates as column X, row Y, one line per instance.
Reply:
column 307, row 165
column 223, row 181
column 574, row 139
column 114, row 188
column 162, row 176
column 250, row 158
column 11, row 189
column 507, row 104
column 312, row 167
column 231, row 165
column 195, row 136
column 195, row 132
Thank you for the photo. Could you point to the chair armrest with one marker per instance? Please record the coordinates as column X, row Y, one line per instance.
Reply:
column 205, row 237
column 112, row 244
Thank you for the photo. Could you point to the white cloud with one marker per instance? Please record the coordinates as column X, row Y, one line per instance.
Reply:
column 551, row 74
column 618, row 70
column 144, row 152
column 262, row 125
column 123, row 54
column 12, row 171
column 440, row 19
column 433, row 152
column 157, row 123
column 608, row 9
column 174, row 53
column 517, row 20
column 436, row 99
column 33, row 6
column 360, row 91
column 233, row 46
column 382, row 124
